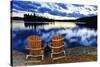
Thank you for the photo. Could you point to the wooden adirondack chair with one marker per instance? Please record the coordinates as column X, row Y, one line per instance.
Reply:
column 35, row 48
column 57, row 47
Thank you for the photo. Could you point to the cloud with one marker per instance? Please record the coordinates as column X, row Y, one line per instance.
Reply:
column 55, row 9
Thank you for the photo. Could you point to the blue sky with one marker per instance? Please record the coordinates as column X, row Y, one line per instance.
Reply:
column 55, row 9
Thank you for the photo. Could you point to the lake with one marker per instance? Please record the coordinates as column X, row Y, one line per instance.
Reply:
column 74, row 35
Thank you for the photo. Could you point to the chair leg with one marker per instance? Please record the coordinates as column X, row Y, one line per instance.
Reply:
column 42, row 57
column 51, row 55
column 64, row 53
column 27, row 56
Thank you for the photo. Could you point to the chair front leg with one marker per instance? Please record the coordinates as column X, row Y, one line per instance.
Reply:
column 64, row 53
column 42, row 57
column 51, row 55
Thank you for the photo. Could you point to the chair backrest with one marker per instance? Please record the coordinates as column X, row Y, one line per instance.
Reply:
column 57, row 41
column 34, row 42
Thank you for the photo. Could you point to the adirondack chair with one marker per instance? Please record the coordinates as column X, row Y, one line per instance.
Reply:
column 57, row 47
column 35, row 48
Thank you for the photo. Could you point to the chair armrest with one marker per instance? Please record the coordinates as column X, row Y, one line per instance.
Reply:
column 42, row 51
column 50, row 44
column 58, row 47
column 64, row 43
column 33, row 49
column 27, row 48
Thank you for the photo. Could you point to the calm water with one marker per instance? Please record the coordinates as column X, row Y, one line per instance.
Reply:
column 73, row 34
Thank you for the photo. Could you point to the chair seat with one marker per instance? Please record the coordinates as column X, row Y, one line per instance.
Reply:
column 57, row 52
column 36, row 52
column 58, row 57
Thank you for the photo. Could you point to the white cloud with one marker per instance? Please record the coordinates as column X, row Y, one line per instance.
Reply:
column 85, row 10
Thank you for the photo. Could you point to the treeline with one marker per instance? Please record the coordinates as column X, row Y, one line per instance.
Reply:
column 88, row 21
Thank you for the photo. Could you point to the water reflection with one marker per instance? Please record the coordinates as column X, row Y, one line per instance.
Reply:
column 73, row 35
column 42, row 25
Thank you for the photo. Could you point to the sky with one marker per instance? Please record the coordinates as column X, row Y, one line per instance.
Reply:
column 54, row 9
column 80, row 36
